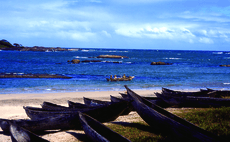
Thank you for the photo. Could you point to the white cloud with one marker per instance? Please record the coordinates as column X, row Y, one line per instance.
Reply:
column 140, row 21
column 76, row 35
column 204, row 16
column 155, row 32
column 106, row 33
column 206, row 40
column 140, row 1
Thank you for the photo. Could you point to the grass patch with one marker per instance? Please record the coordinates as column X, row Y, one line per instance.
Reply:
column 215, row 120
column 136, row 132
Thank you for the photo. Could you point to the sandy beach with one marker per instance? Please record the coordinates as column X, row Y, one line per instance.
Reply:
column 12, row 108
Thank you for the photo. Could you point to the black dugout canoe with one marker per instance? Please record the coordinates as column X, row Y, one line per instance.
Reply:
column 98, row 132
column 201, row 93
column 77, row 105
column 116, row 100
column 94, row 102
column 103, row 113
column 165, row 122
column 193, row 101
column 61, row 122
column 49, row 105
column 19, row 134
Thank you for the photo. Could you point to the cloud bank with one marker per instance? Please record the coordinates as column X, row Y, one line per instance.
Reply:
column 117, row 24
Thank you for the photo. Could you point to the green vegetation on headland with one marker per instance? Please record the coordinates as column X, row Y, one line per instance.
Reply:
column 215, row 120
column 6, row 45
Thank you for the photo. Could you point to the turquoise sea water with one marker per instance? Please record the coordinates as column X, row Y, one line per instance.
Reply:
column 190, row 70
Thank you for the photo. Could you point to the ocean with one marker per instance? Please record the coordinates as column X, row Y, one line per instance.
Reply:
column 189, row 70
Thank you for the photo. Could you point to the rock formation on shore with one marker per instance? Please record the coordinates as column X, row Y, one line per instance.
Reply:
column 6, row 45
column 76, row 61
column 18, row 75
column 224, row 65
column 112, row 56
column 160, row 63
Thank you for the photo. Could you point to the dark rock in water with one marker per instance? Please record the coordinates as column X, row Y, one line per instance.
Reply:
column 160, row 63
column 117, row 62
column 16, row 75
column 89, row 61
column 112, row 56
column 224, row 65
column 75, row 61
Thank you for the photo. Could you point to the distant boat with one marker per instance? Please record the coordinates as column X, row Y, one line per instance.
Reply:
column 120, row 79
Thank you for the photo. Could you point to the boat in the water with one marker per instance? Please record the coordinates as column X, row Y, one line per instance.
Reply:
column 98, row 132
column 120, row 79
column 165, row 122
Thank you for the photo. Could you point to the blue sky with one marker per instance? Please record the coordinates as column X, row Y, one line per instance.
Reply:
column 128, row 24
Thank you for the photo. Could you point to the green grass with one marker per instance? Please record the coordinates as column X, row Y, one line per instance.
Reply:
column 215, row 120
column 137, row 132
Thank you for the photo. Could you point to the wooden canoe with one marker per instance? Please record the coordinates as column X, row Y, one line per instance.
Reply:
column 220, row 93
column 165, row 122
column 103, row 113
column 117, row 100
column 94, row 102
column 61, row 122
column 200, row 93
column 19, row 134
column 77, row 105
column 49, row 105
column 156, row 100
column 193, row 101
column 98, row 132
column 36, row 113
column 72, row 106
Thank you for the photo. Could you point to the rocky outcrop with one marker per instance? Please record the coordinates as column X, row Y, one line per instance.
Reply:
column 17, row 75
column 6, row 45
column 91, row 61
column 224, row 65
column 112, row 56
column 160, row 63
column 75, row 61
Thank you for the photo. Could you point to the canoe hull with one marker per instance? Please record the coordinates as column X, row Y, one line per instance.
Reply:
column 99, row 132
column 165, row 122
column 193, row 101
